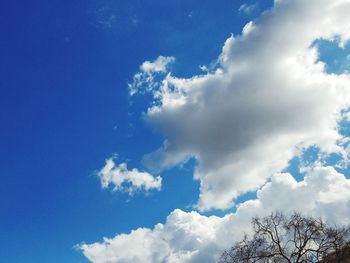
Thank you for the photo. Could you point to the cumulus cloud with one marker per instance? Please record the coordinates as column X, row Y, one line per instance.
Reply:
column 147, row 75
column 269, row 99
column 188, row 237
column 122, row 179
column 178, row 240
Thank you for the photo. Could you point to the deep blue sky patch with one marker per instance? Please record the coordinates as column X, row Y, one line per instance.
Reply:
column 65, row 108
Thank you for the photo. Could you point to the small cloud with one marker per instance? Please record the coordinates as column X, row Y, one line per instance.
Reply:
column 248, row 9
column 105, row 18
column 130, row 181
column 108, row 22
column 111, row 17
column 159, row 65
column 145, row 79
column 204, row 68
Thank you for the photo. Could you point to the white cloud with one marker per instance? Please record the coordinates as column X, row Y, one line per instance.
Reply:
column 122, row 179
column 247, row 9
column 188, row 237
column 179, row 240
column 269, row 98
column 147, row 74
column 159, row 65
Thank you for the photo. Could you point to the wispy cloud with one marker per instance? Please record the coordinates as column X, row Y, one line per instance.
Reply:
column 248, row 9
column 110, row 17
column 146, row 79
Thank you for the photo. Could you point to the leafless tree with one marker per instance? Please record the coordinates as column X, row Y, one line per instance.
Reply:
column 291, row 239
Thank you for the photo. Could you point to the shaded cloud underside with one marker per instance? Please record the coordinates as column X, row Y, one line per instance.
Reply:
column 268, row 100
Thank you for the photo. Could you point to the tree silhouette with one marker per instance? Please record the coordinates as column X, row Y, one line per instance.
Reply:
column 291, row 239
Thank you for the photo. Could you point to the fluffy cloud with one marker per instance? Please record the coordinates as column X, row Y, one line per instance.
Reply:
column 123, row 179
column 269, row 98
column 188, row 237
column 159, row 65
column 147, row 76
column 178, row 240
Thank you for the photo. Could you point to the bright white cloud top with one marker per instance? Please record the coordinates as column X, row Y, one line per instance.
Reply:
column 268, row 99
column 191, row 237
column 122, row 179
column 146, row 78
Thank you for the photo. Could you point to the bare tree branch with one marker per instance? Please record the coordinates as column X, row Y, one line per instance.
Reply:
column 294, row 239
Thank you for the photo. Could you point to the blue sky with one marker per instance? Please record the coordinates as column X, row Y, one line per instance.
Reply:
column 66, row 108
